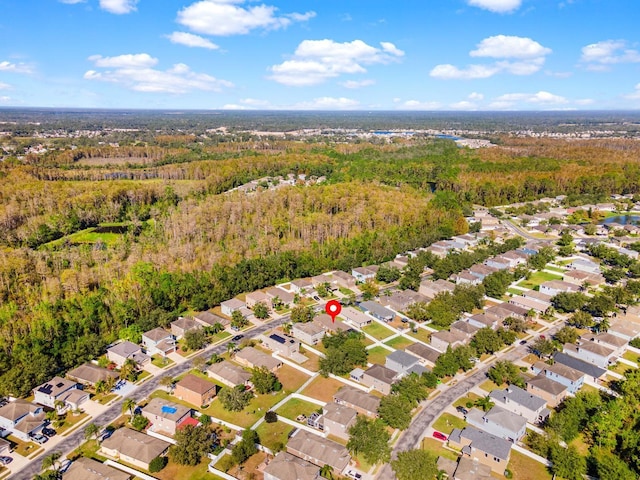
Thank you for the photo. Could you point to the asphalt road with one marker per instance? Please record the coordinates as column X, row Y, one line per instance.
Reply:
column 75, row 439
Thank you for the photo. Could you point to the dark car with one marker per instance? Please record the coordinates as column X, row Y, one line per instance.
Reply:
column 462, row 410
column 5, row 460
column 49, row 432
column 440, row 436
column 237, row 338
column 523, row 342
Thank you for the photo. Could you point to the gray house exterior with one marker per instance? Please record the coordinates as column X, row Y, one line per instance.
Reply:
column 519, row 401
column 400, row 361
column 378, row 311
column 498, row 422
column 569, row 377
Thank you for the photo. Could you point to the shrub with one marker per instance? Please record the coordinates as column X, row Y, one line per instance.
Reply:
column 157, row 464
column 271, row 417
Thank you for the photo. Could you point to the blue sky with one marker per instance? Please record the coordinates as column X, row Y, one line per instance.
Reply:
column 321, row 54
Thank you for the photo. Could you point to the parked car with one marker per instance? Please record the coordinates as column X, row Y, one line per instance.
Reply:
column 5, row 460
column 64, row 465
column 39, row 438
column 49, row 432
column 106, row 434
column 439, row 436
column 237, row 338
column 523, row 342
column 462, row 410
column 354, row 474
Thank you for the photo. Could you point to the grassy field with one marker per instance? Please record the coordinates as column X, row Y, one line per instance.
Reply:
column 422, row 334
column 23, row 448
column 621, row 368
column 631, row 356
column 537, row 278
column 218, row 337
column 161, row 362
column 377, row 331
column 273, row 435
column 488, row 386
column 378, row 355
column 437, row 448
column 70, row 421
column 323, row 388
column 525, row 468
column 580, row 445
column 313, row 363
column 173, row 471
column 291, row 378
column 295, row 407
column 399, row 343
column 462, row 401
column 446, row 422
column 251, row 465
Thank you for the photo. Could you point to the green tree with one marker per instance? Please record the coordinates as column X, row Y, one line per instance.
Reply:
column 326, row 471
column 496, row 284
column 129, row 370
column 581, row 319
column 567, row 462
column 261, row 311
column 91, row 431
column 505, row 372
column 245, row 447
column 345, row 351
column 371, row 439
column 415, row 464
column 139, row 422
column 157, row 464
column 543, row 347
column 387, row 274
column 569, row 302
column 168, row 382
column 484, row 403
column 195, row 339
column 610, row 466
column 235, row 399
column 265, row 381
column 192, row 444
column 237, row 320
column 51, row 460
column 128, row 405
column 486, row 340
column 395, row 411
column 566, row 335
column 301, row 314
column 369, row 290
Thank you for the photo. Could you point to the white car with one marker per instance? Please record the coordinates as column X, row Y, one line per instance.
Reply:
column 354, row 474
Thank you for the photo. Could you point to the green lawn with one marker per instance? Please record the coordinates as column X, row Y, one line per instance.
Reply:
column 295, row 407
column 462, row 401
column 378, row 355
column 361, row 463
column 377, row 331
column 447, row 422
column 631, row 356
column 273, row 435
column 422, row 334
column 399, row 343
column 537, row 278
column 23, row 448
column 174, row 471
column 555, row 269
column 70, row 421
column 88, row 449
column 437, row 448
column 346, row 291
column 621, row 368
column 161, row 362
column 525, row 468
column 488, row 386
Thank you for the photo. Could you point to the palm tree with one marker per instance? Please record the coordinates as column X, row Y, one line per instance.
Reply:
column 604, row 325
column 59, row 405
column 129, row 367
column 230, row 347
column 129, row 404
column 91, row 430
column 198, row 363
column 215, row 358
column 485, row 403
column 51, row 460
column 327, row 472
column 167, row 381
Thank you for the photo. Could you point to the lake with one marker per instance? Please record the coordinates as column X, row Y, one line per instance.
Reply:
column 622, row 219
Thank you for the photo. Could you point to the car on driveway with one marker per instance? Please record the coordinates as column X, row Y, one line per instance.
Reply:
column 49, row 432
column 64, row 465
column 462, row 410
column 439, row 435
column 354, row 474
column 523, row 342
column 5, row 460
column 39, row 438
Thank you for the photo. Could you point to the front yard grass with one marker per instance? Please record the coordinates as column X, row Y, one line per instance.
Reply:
column 462, row 401
column 291, row 378
column 377, row 331
column 161, row 362
column 399, row 343
column 88, row 449
column 274, row 435
column 70, row 421
column 438, row 448
column 218, row 337
column 537, row 278
column 422, row 335
column 295, row 407
column 173, row 471
column 323, row 388
column 525, row 468
column 446, row 422
column 621, row 368
column 631, row 356
column 313, row 362
column 21, row 447
column 103, row 399
column 378, row 355
column 489, row 386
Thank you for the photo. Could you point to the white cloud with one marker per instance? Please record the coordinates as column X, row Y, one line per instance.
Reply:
column 418, row 105
column 327, row 103
column 357, row 83
column 72, row 2
column 514, row 55
column 119, row 7
column 601, row 55
column 541, row 98
column 5, row 99
column 234, row 106
column 254, row 102
column 497, row 6
column 585, row 101
column 476, row 96
column 634, row 95
column 464, row 105
column 6, row 66
column 227, row 17
column 315, row 61
column 191, row 40
column 135, row 72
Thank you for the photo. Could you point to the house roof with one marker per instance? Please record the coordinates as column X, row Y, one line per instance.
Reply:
column 344, row 276
column 55, row 386
column 17, row 409
column 519, row 396
column 506, row 419
column 472, row 469
column 303, row 283
column 185, row 323
column 284, row 295
column 589, row 347
column 257, row 296
column 606, row 338
column 308, row 328
column 230, row 372
column 90, row 373
column 321, row 450
column 377, row 309
column 324, row 321
column 465, row 327
column 561, row 370
column 166, row 409
column 448, row 466
column 355, row 316
column 405, row 359
column 545, row 384
column 340, row 414
column 424, row 351
column 257, row 358
column 449, row 337
column 289, row 467
column 358, row 398
column 483, row 441
column 85, row 468
column 561, row 286
column 157, row 334
column 383, row 374
column 576, row 363
column 195, row 384
column 124, row 349
column 135, row 444
column 210, row 318
column 233, row 303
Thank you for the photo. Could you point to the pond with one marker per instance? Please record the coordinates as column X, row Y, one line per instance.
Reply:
column 622, row 219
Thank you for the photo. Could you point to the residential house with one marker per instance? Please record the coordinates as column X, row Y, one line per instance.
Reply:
column 182, row 325
column 319, row 450
column 499, row 263
column 431, row 289
column 60, row 390
column 378, row 311
column 254, row 298
column 469, row 240
column 329, row 326
column 230, row 306
column 356, row 317
column 195, row 390
column 571, row 378
column 606, row 339
column 84, row 468
column 158, row 342
column 584, row 265
column 282, row 344
column 498, row 422
column 543, row 297
column 516, row 400
column 401, row 260
column 626, row 327
column 90, row 374
column 580, row 278
column 427, row 354
column 252, row 358
column 465, row 278
column 338, row 419
column 528, row 304
column 323, row 279
column 301, row 286
column 482, row 270
column 482, row 446
column 289, row 467
column 400, row 361
column 228, row 374
column 553, row 392
column 309, row 333
column 22, row 418
column 133, row 447
column 554, row 287
column 344, row 279
column 512, row 310
column 444, row 339
column 362, row 274
column 482, row 320
column 589, row 352
column 471, row 469
column 362, row 402
column 123, row 351
column 286, row 298
column 465, row 328
column 379, row 378
column 208, row 319
column 592, row 372
column 515, row 258
column 164, row 416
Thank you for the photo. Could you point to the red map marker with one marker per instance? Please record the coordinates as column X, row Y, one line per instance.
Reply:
column 333, row 309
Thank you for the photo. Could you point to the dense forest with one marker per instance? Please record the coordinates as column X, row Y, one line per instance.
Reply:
column 178, row 238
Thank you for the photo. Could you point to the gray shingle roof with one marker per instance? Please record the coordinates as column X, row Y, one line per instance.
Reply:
column 403, row 358
column 483, row 441
column 519, row 396
column 579, row 365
